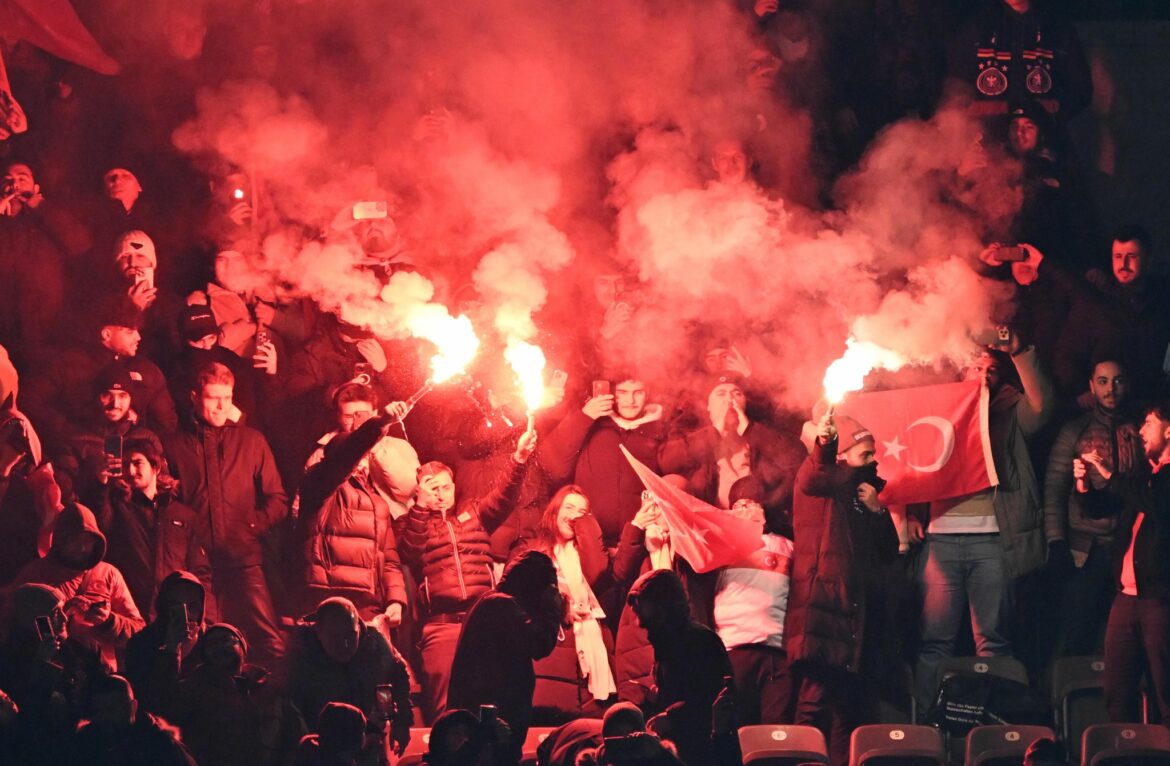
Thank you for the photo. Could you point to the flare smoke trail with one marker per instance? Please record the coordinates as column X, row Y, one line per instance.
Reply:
column 521, row 144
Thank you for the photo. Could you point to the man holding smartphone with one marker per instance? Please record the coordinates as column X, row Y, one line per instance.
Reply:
column 93, row 455
column 585, row 449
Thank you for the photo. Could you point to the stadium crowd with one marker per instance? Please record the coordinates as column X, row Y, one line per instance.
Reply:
column 228, row 535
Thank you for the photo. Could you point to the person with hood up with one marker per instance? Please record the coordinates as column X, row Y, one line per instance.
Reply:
column 117, row 733
column 100, row 610
column 24, row 525
column 690, row 662
column 513, row 625
column 228, row 712
column 843, row 533
column 335, row 657
column 159, row 655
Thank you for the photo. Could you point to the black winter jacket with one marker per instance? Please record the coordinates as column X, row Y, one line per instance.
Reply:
column 228, row 476
column 349, row 546
column 836, row 549
column 774, row 460
column 1149, row 495
column 148, row 539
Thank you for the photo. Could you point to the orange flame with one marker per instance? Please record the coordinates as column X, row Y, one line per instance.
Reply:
column 848, row 373
column 454, row 336
column 527, row 362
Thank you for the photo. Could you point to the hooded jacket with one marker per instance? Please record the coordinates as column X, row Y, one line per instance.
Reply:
column 95, row 580
column 350, row 548
column 587, row 453
column 234, row 720
column 228, row 477
column 504, row 626
column 836, row 549
column 21, row 529
column 690, row 663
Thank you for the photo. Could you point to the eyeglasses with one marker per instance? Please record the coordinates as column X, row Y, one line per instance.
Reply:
column 357, row 418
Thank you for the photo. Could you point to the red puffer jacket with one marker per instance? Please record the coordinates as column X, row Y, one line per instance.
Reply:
column 349, row 546
column 452, row 554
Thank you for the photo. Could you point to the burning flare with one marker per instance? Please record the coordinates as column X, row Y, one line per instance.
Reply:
column 453, row 336
column 527, row 362
column 848, row 373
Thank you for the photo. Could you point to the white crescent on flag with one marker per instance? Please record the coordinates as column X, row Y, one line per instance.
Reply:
column 933, row 441
column 947, row 430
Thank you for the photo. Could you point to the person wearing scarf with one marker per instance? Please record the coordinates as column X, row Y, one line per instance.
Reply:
column 571, row 537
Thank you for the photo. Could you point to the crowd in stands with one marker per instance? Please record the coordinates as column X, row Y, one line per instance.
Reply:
column 226, row 537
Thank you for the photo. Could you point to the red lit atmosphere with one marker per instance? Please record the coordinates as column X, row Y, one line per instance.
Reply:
column 691, row 382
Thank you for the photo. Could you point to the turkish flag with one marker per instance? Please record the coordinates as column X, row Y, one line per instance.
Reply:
column 706, row 536
column 53, row 26
column 931, row 442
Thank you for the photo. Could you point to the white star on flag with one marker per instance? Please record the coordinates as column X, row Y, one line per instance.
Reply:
column 894, row 448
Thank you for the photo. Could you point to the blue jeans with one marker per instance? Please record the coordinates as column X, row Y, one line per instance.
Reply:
column 957, row 572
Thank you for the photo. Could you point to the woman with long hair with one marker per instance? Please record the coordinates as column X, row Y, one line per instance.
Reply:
column 571, row 537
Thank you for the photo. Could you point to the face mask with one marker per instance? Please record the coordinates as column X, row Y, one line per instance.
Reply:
column 868, row 474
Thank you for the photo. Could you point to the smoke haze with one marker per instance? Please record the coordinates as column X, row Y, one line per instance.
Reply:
column 525, row 146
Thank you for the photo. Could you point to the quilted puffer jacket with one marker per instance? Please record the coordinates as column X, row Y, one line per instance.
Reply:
column 349, row 546
column 451, row 554
column 1112, row 436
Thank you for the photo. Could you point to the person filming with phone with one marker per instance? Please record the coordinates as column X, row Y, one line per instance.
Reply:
column 335, row 657
column 100, row 611
column 585, row 449
column 93, row 456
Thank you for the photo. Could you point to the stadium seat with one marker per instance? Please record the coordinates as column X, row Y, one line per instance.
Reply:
column 889, row 744
column 779, row 745
column 1125, row 744
column 1002, row 745
column 1004, row 667
column 1078, row 695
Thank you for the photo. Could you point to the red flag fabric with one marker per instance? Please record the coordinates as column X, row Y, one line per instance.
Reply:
column 706, row 536
column 53, row 25
column 931, row 441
